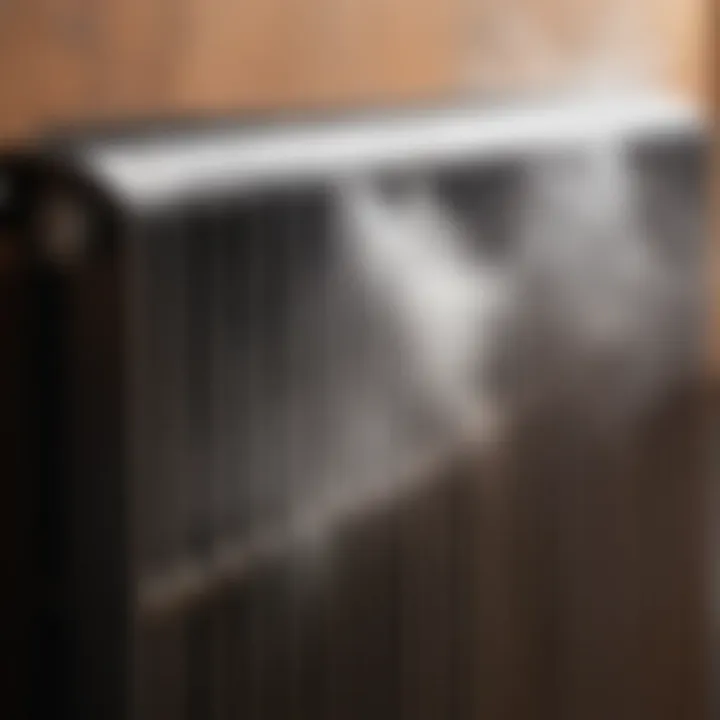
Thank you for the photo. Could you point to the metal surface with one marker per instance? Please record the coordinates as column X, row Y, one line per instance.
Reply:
column 250, row 509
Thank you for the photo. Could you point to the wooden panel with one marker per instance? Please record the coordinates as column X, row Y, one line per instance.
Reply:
column 531, row 44
column 687, row 43
column 67, row 59
column 400, row 48
column 141, row 43
column 46, row 70
column 227, row 59
column 269, row 52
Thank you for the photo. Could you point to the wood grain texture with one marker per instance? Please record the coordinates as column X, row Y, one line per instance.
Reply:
column 67, row 60
column 47, row 69
column 138, row 57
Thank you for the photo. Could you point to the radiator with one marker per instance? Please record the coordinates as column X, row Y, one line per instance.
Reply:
column 241, row 504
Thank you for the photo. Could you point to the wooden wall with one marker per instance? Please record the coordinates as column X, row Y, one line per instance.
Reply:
column 67, row 59
column 62, row 60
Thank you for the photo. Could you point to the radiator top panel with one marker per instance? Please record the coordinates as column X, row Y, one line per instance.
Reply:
column 163, row 166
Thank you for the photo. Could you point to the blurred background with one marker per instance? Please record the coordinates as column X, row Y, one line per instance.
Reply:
column 63, row 61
